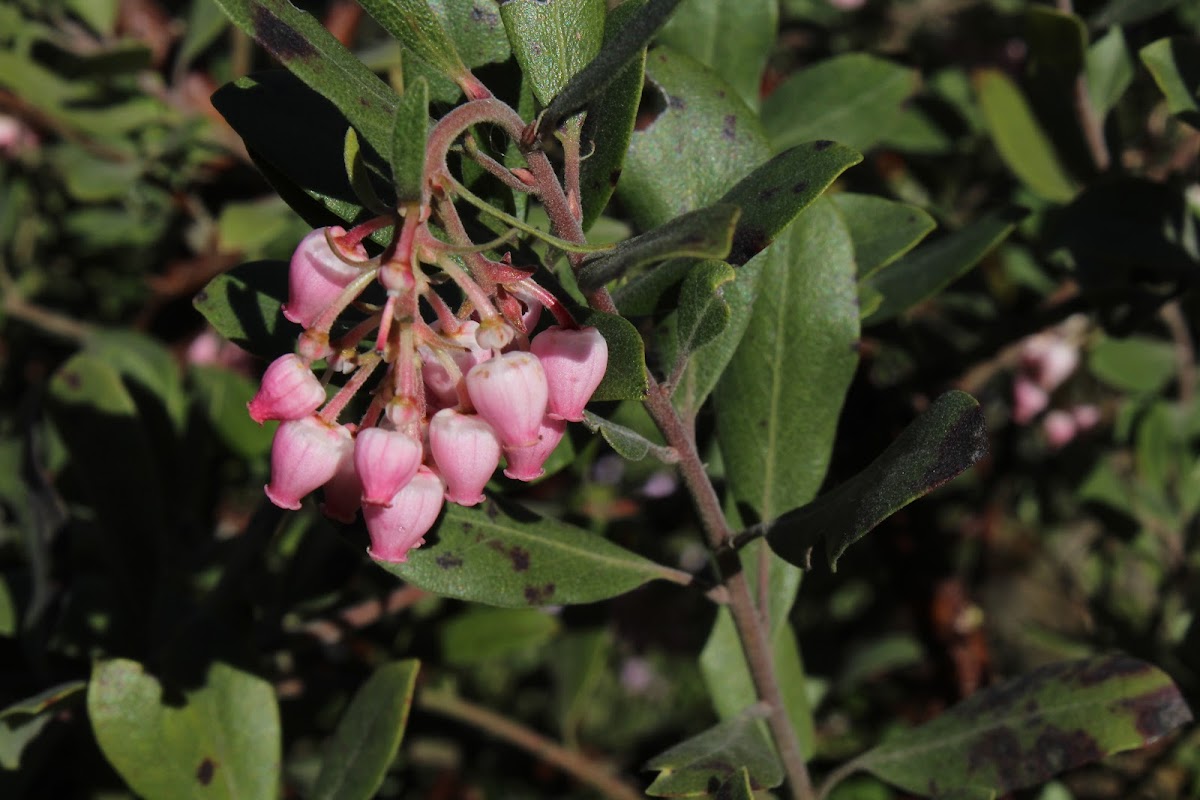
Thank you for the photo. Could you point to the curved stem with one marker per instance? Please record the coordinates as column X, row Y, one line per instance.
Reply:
column 575, row 764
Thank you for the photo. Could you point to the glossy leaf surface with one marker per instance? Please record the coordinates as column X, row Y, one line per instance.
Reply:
column 1033, row 727
column 222, row 742
column 511, row 557
column 937, row 446
column 364, row 745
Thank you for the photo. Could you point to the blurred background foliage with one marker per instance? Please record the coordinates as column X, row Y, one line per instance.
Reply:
column 1060, row 292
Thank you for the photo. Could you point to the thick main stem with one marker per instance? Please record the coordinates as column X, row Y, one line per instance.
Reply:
column 751, row 626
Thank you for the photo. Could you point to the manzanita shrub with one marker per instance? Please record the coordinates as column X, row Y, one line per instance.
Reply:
column 540, row 228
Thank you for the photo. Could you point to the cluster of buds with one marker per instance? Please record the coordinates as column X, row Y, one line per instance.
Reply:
column 1047, row 360
column 456, row 395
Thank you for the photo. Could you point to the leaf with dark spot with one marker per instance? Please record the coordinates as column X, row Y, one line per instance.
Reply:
column 697, row 766
column 509, row 556
column 204, row 772
column 938, row 445
column 1028, row 729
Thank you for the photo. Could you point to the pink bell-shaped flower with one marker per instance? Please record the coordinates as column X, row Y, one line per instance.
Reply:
column 317, row 274
column 304, row 456
column 574, row 361
column 441, row 384
column 386, row 461
column 289, row 390
column 1029, row 400
column 399, row 527
column 509, row 392
column 466, row 451
column 343, row 492
column 525, row 463
column 1060, row 428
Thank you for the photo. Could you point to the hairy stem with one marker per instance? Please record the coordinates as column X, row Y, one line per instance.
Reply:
column 575, row 764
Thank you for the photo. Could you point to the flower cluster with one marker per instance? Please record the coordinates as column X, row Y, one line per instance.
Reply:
column 1047, row 361
column 455, row 396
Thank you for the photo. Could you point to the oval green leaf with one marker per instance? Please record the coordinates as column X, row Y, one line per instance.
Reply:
column 1033, row 727
column 222, row 742
column 1175, row 65
column 244, row 307
column 510, row 557
column 414, row 25
column 693, row 767
column 733, row 38
column 553, row 40
column 367, row 737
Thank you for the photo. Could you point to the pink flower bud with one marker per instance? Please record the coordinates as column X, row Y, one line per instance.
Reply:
column 575, row 361
column 466, row 451
column 442, row 385
column 305, row 455
column 289, row 390
column 386, row 461
column 317, row 275
column 1049, row 359
column 1086, row 415
column 509, row 392
column 494, row 333
column 1059, row 427
column 343, row 492
column 525, row 463
column 399, row 527
column 1029, row 400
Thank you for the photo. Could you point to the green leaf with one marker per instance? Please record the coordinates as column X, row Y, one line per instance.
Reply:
column 1019, row 137
column 553, row 40
column 692, row 767
column 223, row 741
column 628, row 443
column 736, row 787
column 244, row 307
column 475, row 28
column 703, row 312
column 625, row 378
column 1058, row 40
column 145, row 362
column 882, row 230
column 854, row 99
column 10, row 615
column 266, row 109
column 933, row 266
column 608, row 125
column 937, row 446
column 510, row 557
column 798, row 352
column 205, row 23
column 1175, row 65
column 221, row 396
column 360, row 175
column 1134, row 364
column 311, row 53
column 1109, row 70
column 358, row 755
column 774, row 194
column 626, row 44
column 410, row 128
column 733, row 38
column 706, row 233
column 1028, row 729
column 417, row 28
column 1122, row 12
column 480, row 636
column 42, row 701
column 700, row 141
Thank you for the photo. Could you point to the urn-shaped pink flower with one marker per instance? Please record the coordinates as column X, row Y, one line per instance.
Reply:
column 441, row 384
column 343, row 492
column 304, row 455
column 317, row 274
column 1029, row 400
column 509, row 392
column 289, row 390
column 574, row 361
column 525, row 463
column 399, row 527
column 386, row 461
column 466, row 451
